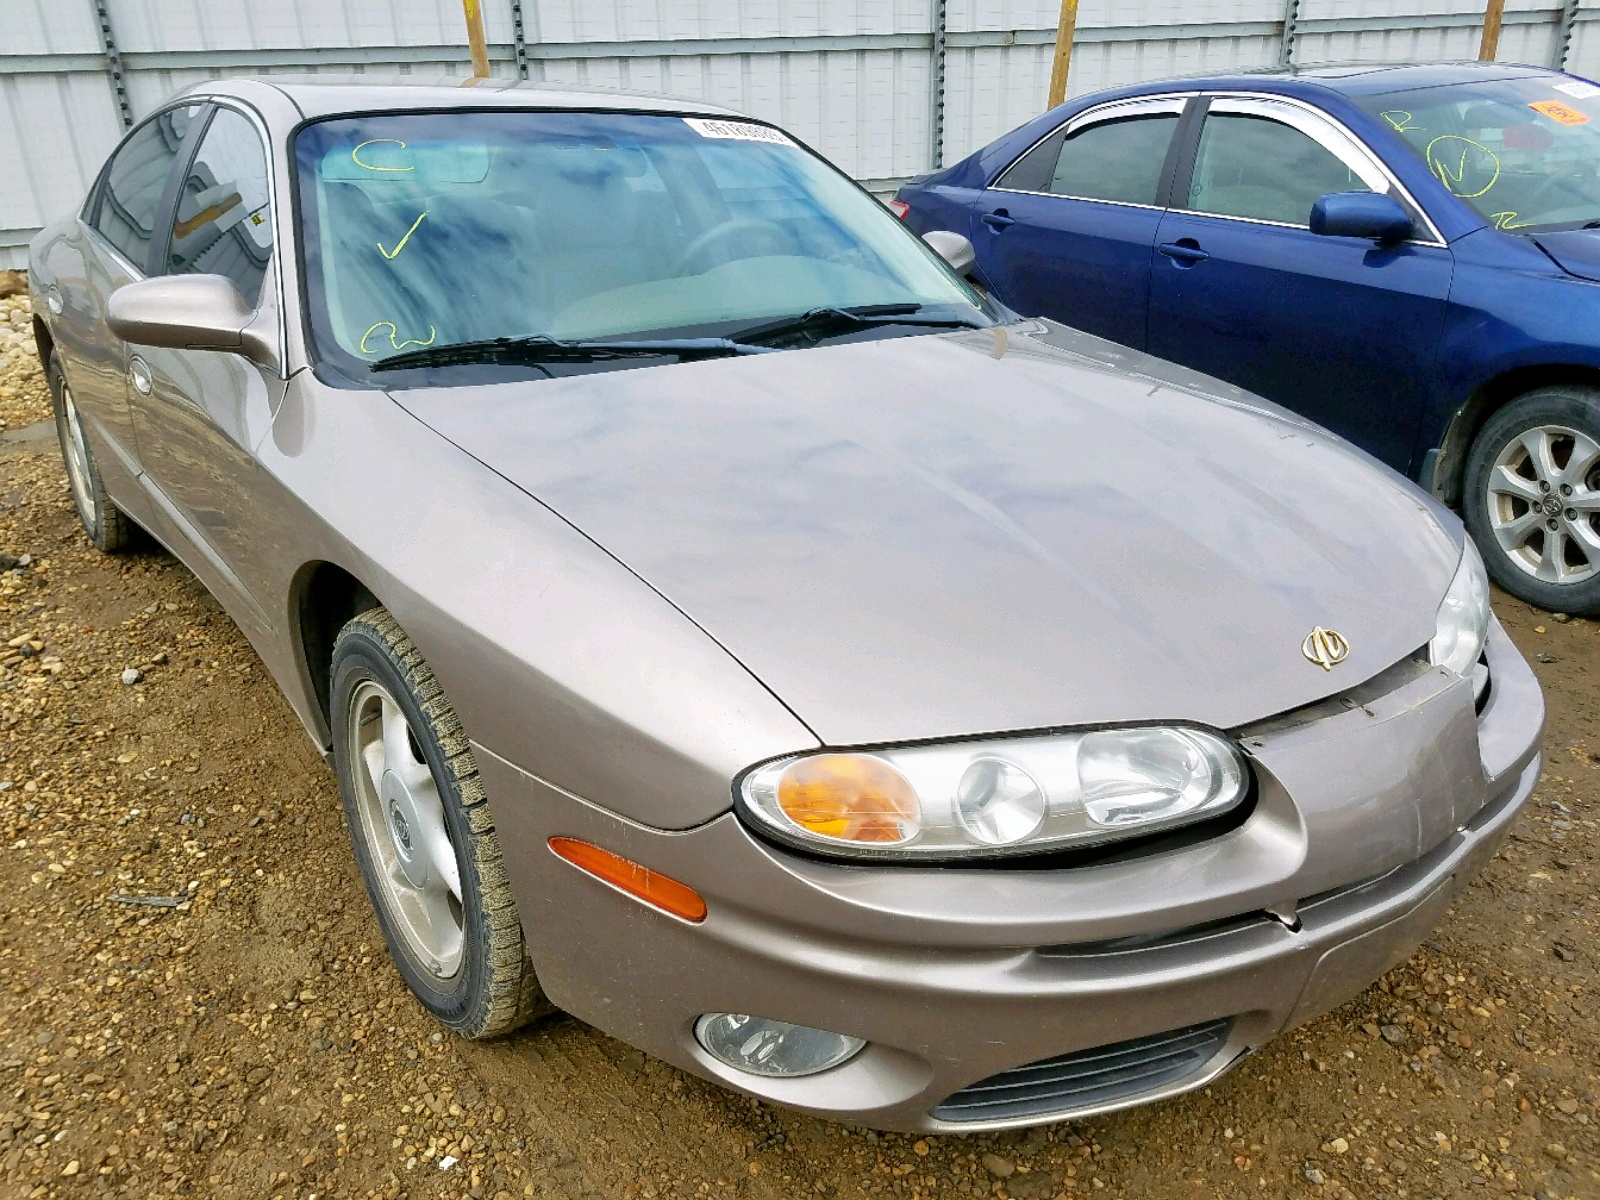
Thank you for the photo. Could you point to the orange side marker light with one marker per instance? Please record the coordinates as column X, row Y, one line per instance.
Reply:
column 655, row 889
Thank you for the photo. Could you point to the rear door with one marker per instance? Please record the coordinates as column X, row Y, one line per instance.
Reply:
column 1342, row 330
column 200, row 413
column 118, row 232
column 1067, row 231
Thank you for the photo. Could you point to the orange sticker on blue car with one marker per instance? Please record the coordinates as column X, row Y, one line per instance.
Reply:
column 1563, row 114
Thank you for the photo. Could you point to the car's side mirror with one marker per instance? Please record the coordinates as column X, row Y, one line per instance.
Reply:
column 953, row 248
column 191, row 312
column 1360, row 215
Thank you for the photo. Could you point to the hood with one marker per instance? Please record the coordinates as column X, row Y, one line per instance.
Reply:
column 939, row 535
column 1575, row 251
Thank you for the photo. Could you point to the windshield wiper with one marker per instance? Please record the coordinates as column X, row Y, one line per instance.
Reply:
column 538, row 349
column 864, row 316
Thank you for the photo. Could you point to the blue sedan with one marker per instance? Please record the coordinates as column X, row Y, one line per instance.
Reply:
column 1409, row 255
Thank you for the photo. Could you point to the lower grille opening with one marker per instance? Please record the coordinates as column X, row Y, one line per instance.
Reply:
column 1102, row 1075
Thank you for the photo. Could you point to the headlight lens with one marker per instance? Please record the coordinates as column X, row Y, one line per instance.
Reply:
column 1016, row 795
column 1462, row 625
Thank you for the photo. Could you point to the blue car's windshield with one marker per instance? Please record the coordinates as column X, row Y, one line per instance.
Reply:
column 1525, row 153
column 436, row 229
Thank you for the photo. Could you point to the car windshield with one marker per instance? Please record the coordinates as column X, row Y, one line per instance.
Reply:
column 1522, row 152
column 435, row 230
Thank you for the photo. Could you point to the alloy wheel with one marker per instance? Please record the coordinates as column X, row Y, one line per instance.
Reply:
column 77, row 458
column 1544, row 502
column 402, row 821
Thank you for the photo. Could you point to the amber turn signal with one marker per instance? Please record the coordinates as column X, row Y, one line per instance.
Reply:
column 658, row 890
column 850, row 797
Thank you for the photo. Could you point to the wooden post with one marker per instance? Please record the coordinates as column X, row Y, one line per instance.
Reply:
column 1065, row 29
column 1490, row 46
column 475, row 39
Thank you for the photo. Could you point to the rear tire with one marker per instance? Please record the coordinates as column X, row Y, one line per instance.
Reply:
column 423, row 834
column 1531, row 498
column 106, row 524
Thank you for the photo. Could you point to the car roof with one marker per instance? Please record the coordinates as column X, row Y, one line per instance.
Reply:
column 1353, row 79
column 331, row 95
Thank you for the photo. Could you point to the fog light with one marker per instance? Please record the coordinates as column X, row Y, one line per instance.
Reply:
column 774, row 1048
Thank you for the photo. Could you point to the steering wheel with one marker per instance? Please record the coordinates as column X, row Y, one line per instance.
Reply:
column 722, row 236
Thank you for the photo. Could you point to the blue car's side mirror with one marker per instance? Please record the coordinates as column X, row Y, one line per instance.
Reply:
column 1360, row 215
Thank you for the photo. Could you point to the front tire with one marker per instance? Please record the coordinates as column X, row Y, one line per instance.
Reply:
column 423, row 836
column 1532, row 498
column 107, row 526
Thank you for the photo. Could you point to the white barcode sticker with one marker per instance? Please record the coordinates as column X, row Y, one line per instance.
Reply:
column 1579, row 89
column 742, row 131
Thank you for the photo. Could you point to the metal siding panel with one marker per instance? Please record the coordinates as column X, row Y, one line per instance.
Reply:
column 649, row 20
column 55, row 132
column 49, row 27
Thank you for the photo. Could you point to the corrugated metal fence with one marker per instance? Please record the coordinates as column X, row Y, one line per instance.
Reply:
column 887, row 88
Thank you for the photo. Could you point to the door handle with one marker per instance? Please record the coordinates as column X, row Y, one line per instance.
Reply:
column 999, row 219
column 139, row 375
column 1185, row 251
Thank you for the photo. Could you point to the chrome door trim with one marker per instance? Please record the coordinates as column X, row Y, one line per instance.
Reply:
column 1328, row 132
column 1173, row 102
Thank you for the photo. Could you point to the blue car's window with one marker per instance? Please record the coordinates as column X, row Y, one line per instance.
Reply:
column 1524, row 153
column 1117, row 160
column 1255, row 167
column 435, row 229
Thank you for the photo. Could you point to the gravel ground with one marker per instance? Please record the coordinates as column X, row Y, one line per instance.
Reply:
column 195, row 999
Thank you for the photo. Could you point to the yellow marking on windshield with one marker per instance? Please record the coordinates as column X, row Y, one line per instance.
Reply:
column 1440, row 166
column 1507, row 220
column 1399, row 120
column 394, row 337
column 402, row 244
column 355, row 155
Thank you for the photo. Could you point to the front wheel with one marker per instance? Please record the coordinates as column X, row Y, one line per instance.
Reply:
column 422, row 834
column 1532, row 498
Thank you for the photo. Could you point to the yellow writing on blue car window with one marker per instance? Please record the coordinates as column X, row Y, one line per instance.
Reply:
column 1399, row 120
column 401, row 245
column 355, row 155
column 1450, row 156
column 1507, row 220
column 394, row 337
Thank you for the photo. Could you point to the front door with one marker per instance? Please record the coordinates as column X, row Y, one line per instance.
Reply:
column 1067, row 231
column 1341, row 330
column 118, row 232
column 200, row 413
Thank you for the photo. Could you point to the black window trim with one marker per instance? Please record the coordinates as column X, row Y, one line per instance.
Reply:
column 91, row 209
column 1108, row 112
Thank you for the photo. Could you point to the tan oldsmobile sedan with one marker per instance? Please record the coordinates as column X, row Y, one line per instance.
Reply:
column 729, row 626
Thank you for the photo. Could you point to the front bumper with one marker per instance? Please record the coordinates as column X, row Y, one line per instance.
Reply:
column 1371, row 813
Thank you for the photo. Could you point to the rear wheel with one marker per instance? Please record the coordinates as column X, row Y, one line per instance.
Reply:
column 1532, row 498
column 423, row 836
column 108, row 528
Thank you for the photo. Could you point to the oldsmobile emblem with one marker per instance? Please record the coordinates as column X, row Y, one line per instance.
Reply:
column 1325, row 648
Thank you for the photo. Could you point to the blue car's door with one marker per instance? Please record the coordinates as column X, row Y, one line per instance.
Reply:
column 1067, row 231
column 1342, row 330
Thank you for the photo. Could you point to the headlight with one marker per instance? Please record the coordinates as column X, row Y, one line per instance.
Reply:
column 1462, row 625
column 1016, row 795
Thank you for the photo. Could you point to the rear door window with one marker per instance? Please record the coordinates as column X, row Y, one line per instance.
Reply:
column 1116, row 160
column 137, row 181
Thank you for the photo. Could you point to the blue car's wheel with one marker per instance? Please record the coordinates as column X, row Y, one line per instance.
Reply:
column 1532, row 498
